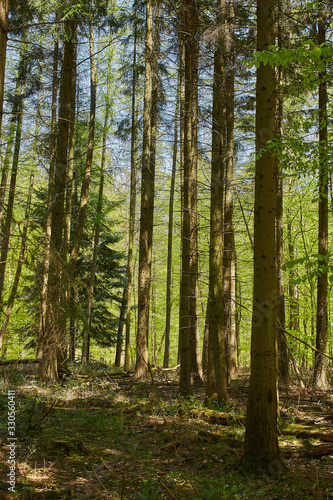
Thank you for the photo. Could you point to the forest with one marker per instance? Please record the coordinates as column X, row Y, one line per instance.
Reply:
column 166, row 205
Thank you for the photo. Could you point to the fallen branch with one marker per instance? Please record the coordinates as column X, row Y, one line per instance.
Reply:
column 217, row 417
column 304, row 432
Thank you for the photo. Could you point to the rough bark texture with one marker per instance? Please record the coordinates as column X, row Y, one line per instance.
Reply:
column 189, row 267
column 54, row 334
column 147, row 214
column 320, row 378
column 216, row 372
column 261, row 443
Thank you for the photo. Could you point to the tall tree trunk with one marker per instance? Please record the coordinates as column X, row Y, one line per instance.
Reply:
column 216, row 373
column 54, row 334
column 147, row 213
column 131, row 212
column 15, row 164
column 46, row 252
column 282, row 346
column 229, row 333
column 261, row 441
column 4, row 11
column 89, row 158
column 189, row 266
column 170, row 237
column 97, row 228
column 320, row 378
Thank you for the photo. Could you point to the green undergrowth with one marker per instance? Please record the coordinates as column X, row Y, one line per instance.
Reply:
column 102, row 437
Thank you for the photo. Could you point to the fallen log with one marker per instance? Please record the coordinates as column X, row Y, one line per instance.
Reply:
column 305, row 432
column 217, row 417
column 18, row 361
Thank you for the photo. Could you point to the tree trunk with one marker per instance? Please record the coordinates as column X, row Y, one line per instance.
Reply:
column 15, row 164
column 189, row 266
column 97, row 227
column 131, row 212
column 229, row 332
column 147, row 213
column 320, row 378
column 54, row 334
column 46, row 256
column 89, row 158
column 261, row 443
column 282, row 347
column 4, row 11
column 121, row 328
column 170, row 237
column 216, row 373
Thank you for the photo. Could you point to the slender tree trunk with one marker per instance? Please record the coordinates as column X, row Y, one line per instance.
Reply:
column 4, row 11
column 15, row 164
column 282, row 346
column 46, row 257
column 261, row 437
column 320, row 378
column 170, row 237
column 89, row 159
column 217, row 374
column 17, row 277
column 121, row 329
column 147, row 213
column 131, row 212
column 97, row 228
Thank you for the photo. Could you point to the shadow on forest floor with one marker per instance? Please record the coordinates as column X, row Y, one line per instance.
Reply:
column 102, row 437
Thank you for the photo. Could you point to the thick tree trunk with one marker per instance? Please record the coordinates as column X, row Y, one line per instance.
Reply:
column 320, row 378
column 216, row 373
column 147, row 213
column 189, row 266
column 261, row 442
column 54, row 334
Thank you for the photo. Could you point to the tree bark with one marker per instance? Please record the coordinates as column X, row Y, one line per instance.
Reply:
column 320, row 378
column 147, row 213
column 282, row 347
column 170, row 238
column 216, row 373
column 54, row 334
column 132, row 211
column 261, row 444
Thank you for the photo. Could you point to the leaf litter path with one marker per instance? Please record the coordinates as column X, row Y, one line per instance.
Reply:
column 106, row 438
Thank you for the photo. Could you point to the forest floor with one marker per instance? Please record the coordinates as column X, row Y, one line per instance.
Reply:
column 99, row 436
